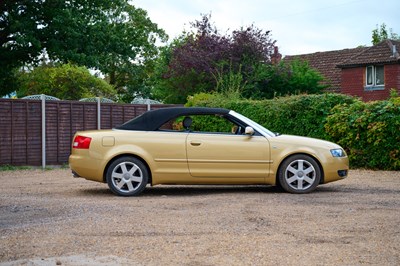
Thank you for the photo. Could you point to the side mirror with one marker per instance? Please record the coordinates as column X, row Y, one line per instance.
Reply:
column 249, row 131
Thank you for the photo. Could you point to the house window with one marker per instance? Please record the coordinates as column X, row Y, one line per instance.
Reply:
column 375, row 78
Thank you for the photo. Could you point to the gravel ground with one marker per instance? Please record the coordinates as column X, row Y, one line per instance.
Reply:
column 50, row 218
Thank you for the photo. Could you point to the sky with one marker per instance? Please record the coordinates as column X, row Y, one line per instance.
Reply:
column 299, row 27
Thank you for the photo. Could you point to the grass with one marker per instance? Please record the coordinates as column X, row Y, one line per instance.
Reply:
column 8, row 167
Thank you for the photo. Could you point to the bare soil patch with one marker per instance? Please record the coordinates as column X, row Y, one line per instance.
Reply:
column 50, row 218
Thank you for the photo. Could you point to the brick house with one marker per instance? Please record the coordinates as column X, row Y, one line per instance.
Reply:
column 366, row 72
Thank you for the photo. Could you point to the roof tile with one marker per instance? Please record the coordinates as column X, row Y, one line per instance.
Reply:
column 382, row 53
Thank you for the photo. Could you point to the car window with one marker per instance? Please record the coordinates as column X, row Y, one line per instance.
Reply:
column 211, row 124
column 205, row 124
column 175, row 124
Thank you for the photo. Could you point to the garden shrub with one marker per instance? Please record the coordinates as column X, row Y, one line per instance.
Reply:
column 370, row 132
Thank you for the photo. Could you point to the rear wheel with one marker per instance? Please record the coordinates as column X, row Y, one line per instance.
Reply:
column 299, row 174
column 127, row 176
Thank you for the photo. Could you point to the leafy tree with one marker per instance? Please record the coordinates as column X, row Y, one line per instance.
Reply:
column 285, row 78
column 184, row 68
column 381, row 33
column 19, row 42
column 304, row 79
column 163, row 86
column 111, row 36
column 251, row 45
column 67, row 82
column 198, row 60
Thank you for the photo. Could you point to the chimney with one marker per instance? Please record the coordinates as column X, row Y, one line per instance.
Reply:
column 276, row 56
column 393, row 48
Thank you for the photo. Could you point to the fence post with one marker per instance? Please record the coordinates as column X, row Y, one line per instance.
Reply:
column 148, row 105
column 98, row 113
column 43, row 98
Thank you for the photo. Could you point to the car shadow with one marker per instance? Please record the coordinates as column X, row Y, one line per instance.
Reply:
column 179, row 190
column 206, row 190
column 186, row 190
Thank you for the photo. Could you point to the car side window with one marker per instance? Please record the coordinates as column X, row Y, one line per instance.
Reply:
column 175, row 124
column 213, row 124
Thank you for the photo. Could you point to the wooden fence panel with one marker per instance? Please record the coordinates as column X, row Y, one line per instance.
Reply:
column 21, row 127
column 34, row 133
column 65, row 132
column 52, row 137
column 6, row 132
column 20, row 131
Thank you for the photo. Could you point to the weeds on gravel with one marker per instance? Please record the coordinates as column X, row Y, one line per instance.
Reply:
column 8, row 167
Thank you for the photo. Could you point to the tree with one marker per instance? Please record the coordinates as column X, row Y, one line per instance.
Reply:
column 111, row 36
column 169, row 85
column 195, row 61
column 380, row 34
column 66, row 81
column 19, row 41
column 285, row 78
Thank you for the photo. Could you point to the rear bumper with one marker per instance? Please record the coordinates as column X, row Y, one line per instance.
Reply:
column 90, row 169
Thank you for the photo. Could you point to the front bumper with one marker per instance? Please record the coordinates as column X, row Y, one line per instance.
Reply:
column 337, row 168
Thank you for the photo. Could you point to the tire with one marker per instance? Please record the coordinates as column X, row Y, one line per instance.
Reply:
column 127, row 176
column 299, row 174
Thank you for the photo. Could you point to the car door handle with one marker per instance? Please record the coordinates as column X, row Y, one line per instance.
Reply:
column 195, row 143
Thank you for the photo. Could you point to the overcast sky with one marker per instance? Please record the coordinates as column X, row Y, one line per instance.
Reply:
column 299, row 27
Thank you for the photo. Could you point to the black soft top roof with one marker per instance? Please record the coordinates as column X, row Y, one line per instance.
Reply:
column 153, row 120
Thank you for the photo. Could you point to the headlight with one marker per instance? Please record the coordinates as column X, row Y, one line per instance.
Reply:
column 338, row 153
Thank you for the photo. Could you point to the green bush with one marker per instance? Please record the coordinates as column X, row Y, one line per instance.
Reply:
column 370, row 132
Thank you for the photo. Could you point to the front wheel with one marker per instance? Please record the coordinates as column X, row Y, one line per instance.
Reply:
column 299, row 174
column 127, row 176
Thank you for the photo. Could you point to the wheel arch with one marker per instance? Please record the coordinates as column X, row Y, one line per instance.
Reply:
column 299, row 153
column 128, row 155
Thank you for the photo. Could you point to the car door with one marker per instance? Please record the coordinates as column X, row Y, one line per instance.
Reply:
column 241, row 158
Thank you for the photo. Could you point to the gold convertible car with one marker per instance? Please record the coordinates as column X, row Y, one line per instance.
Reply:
column 202, row 146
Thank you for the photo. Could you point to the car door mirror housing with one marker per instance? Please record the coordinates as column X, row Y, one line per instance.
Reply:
column 249, row 131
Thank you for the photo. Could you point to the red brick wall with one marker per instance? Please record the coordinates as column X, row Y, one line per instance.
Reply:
column 392, row 77
column 353, row 83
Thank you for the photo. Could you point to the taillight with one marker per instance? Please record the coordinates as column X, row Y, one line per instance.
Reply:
column 81, row 142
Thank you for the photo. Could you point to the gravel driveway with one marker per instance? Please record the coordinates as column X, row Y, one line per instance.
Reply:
column 50, row 218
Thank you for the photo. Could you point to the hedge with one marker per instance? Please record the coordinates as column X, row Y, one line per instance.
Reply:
column 369, row 132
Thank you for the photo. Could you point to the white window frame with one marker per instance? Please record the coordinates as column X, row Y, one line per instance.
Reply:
column 371, row 80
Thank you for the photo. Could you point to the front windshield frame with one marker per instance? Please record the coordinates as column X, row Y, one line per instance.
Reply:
column 262, row 130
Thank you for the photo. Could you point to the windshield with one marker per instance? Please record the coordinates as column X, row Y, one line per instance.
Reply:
column 255, row 125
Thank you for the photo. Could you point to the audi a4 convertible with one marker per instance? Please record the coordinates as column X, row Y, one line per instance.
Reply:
column 203, row 146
